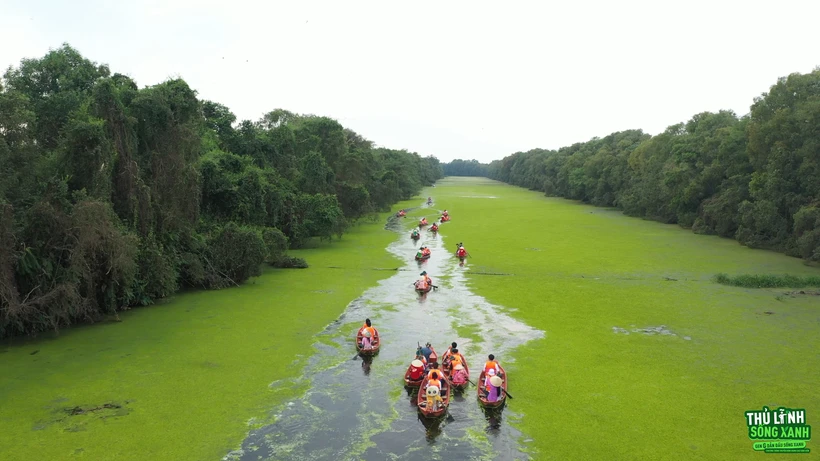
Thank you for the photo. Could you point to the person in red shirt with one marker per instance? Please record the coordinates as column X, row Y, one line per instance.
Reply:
column 416, row 370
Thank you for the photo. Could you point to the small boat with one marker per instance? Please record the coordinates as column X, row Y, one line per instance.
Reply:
column 422, row 224
column 423, row 258
column 482, row 400
column 422, row 399
column 447, row 374
column 415, row 236
column 401, row 214
column 445, row 218
column 376, row 342
column 434, row 229
column 424, row 290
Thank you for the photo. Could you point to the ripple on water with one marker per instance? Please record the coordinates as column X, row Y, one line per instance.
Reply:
column 359, row 409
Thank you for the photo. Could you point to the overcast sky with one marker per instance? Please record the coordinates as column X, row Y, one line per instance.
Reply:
column 452, row 79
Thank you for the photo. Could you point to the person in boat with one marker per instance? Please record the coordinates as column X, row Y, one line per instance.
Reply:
column 421, row 358
column 367, row 339
column 426, row 278
column 433, row 391
column 461, row 252
column 434, row 227
column 444, row 213
column 426, row 351
column 492, row 365
column 421, row 284
column 433, row 369
column 459, row 376
column 415, row 233
column 449, row 350
column 455, row 358
column 487, row 386
column 494, row 389
column 368, row 334
column 416, row 370
column 425, row 251
column 423, row 222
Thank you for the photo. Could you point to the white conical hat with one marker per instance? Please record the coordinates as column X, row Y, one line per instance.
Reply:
column 459, row 366
column 496, row 381
column 366, row 333
column 417, row 363
column 432, row 390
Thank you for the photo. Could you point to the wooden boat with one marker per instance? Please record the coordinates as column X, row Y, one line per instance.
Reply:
column 423, row 258
column 482, row 400
column 422, row 399
column 446, row 367
column 376, row 341
column 409, row 382
column 401, row 214
column 415, row 236
column 445, row 218
column 434, row 229
column 424, row 290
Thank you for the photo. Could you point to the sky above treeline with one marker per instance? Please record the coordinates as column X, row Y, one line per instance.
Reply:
column 457, row 79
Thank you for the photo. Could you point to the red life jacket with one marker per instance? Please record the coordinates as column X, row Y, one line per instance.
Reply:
column 462, row 252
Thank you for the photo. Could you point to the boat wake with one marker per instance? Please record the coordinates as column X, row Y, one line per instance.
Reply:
column 355, row 408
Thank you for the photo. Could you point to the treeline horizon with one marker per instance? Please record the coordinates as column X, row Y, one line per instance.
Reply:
column 114, row 196
column 754, row 178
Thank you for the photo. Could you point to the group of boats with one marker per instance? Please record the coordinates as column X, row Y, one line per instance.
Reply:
column 448, row 386
column 368, row 344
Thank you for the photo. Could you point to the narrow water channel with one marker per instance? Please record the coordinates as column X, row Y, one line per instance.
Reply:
column 359, row 409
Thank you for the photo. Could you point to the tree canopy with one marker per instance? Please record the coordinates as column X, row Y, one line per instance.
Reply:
column 113, row 196
column 754, row 178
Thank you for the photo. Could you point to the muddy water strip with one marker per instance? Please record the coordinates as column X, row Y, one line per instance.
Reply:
column 356, row 408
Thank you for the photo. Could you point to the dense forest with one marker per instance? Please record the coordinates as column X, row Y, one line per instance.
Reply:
column 460, row 167
column 754, row 178
column 113, row 196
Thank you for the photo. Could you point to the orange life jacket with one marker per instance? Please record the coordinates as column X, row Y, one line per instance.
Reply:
column 455, row 360
column 434, row 382
column 434, row 370
column 491, row 365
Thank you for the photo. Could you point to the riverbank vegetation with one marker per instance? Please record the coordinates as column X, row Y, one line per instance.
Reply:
column 754, row 178
column 113, row 196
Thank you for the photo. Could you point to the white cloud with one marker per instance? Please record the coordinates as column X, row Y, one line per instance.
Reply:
column 454, row 79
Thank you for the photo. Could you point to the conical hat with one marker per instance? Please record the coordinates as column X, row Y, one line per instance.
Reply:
column 366, row 333
column 432, row 390
column 496, row 381
column 417, row 363
column 459, row 366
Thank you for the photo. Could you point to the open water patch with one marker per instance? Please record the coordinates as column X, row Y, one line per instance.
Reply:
column 358, row 408
column 660, row 330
